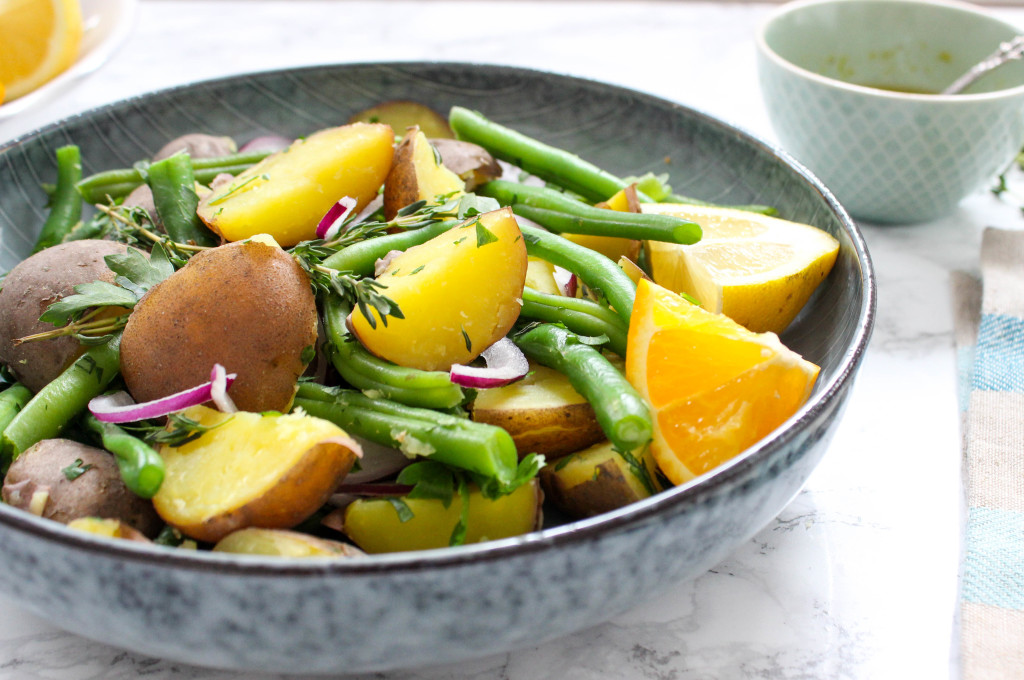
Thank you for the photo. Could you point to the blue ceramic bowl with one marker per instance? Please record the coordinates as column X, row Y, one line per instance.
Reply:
column 404, row 610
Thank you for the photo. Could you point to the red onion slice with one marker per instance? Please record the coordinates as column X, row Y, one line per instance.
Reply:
column 332, row 222
column 120, row 408
column 219, row 390
column 566, row 281
column 505, row 363
column 266, row 143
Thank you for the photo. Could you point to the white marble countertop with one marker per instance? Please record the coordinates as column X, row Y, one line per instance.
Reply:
column 857, row 578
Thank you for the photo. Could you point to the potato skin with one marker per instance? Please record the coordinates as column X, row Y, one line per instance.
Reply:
column 596, row 480
column 252, row 470
column 32, row 286
column 97, row 492
column 247, row 306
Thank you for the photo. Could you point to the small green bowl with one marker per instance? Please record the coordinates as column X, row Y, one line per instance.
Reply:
column 851, row 89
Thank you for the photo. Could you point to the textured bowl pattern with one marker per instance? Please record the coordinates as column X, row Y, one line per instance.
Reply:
column 403, row 610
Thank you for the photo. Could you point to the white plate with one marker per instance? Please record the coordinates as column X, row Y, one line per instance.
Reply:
column 106, row 24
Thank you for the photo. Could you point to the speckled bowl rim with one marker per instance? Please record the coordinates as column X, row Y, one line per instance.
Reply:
column 761, row 41
column 691, row 493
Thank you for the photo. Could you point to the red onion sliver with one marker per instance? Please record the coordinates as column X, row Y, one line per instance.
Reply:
column 566, row 281
column 331, row 223
column 266, row 143
column 119, row 407
column 219, row 390
column 505, row 363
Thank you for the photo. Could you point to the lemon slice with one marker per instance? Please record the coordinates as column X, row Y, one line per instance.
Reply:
column 714, row 387
column 758, row 270
column 39, row 39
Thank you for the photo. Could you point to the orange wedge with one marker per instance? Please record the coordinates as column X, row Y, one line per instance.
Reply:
column 39, row 39
column 715, row 388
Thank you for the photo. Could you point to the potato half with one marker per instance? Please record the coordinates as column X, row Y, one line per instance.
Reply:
column 287, row 193
column 282, row 543
column 459, row 292
column 543, row 413
column 247, row 306
column 251, row 470
column 598, row 480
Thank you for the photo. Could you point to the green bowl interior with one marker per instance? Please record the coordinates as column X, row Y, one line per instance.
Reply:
column 892, row 44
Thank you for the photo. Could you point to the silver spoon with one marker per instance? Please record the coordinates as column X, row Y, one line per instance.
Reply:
column 1008, row 51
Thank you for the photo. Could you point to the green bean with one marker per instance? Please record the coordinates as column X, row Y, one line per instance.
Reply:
column 364, row 371
column 359, row 258
column 581, row 316
column 593, row 268
column 12, row 400
column 66, row 206
column 561, row 213
column 478, row 448
column 142, row 468
column 547, row 162
column 114, row 184
column 64, row 397
column 174, row 195
column 621, row 412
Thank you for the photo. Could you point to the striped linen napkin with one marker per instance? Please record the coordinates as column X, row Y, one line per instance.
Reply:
column 989, row 331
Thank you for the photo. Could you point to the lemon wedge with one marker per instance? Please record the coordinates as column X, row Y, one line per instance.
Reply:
column 39, row 40
column 758, row 270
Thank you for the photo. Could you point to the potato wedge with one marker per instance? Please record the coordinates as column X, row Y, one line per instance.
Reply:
column 287, row 193
column 247, row 306
column 417, row 174
column 402, row 114
column 282, row 543
column 251, row 470
column 107, row 527
column 599, row 479
column 540, row 275
column 542, row 412
column 376, row 527
column 460, row 292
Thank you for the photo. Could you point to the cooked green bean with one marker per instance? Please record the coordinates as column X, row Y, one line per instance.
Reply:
column 621, row 412
column 364, row 371
column 114, row 184
column 482, row 449
column 579, row 315
column 547, row 162
column 360, row 258
column 66, row 204
column 142, row 468
column 174, row 195
column 561, row 213
column 64, row 397
column 593, row 268
column 12, row 400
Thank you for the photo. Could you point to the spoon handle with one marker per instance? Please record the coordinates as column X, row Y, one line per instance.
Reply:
column 1009, row 50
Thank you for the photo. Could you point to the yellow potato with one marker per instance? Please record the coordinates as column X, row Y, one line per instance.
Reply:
column 542, row 412
column 376, row 527
column 252, row 470
column 287, row 193
column 107, row 527
column 598, row 480
column 282, row 543
column 417, row 174
column 401, row 114
column 459, row 292
column 540, row 275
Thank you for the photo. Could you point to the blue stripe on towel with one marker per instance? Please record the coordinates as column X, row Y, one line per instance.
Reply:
column 994, row 564
column 999, row 358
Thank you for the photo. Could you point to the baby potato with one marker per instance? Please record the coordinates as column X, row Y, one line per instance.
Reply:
column 472, row 163
column 282, row 543
column 402, row 114
column 32, row 286
column 251, row 470
column 417, row 174
column 459, row 292
column 247, row 306
column 65, row 480
column 598, row 480
column 109, row 528
column 543, row 413
column 375, row 525
column 287, row 193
